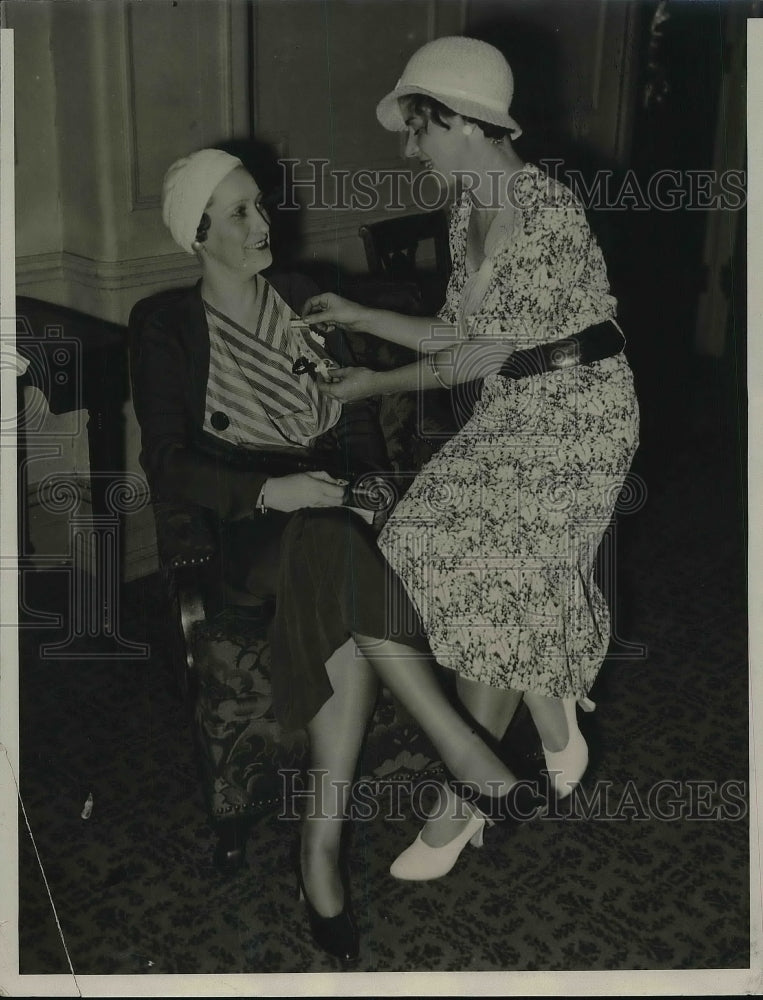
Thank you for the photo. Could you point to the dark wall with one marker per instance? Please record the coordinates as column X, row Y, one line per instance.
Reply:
column 659, row 259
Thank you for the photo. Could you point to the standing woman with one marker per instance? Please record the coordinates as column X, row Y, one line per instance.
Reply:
column 214, row 379
column 495, row 540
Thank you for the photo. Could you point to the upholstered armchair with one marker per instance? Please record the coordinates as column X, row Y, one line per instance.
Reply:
column 221, row 650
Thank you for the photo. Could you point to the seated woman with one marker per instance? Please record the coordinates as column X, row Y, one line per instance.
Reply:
column 215, row 381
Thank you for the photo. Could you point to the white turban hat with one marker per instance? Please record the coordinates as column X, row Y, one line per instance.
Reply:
column 188, row 186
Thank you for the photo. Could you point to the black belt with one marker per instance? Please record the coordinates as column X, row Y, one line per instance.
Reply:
column 595, row 343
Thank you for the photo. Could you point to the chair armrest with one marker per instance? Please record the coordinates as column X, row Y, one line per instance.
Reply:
column 186, row 546
column 186, row 585
column 185, row 588
column 183, row 534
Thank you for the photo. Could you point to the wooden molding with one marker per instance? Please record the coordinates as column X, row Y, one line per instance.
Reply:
column 39, row 267
column 108, row 275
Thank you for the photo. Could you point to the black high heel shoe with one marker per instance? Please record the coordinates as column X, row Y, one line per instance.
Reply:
column 337, row 936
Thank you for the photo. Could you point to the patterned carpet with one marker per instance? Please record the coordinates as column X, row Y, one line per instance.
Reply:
column 656, row 878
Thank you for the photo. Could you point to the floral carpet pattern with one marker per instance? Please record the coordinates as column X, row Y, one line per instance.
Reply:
column 649, row 870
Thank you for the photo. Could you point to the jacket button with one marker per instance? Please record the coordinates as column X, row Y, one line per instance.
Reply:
column 219, row 420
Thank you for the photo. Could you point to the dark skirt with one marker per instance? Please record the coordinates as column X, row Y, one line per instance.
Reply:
column 329, row 581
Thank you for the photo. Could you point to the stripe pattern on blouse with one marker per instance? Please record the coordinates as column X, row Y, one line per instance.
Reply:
column 251, row 381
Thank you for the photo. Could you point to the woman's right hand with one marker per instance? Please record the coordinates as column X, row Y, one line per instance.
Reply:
column 304, row 489
column 324, row 311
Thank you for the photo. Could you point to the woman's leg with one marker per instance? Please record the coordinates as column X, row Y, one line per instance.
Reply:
column 550, row 720
column 336, row 734
column 493, row 709
column 409, row 675
column 352, row 585
column 564, row 747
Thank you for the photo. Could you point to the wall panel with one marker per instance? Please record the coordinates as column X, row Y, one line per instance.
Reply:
column 35, row 114
column 572, row 70
column 182, row 54
column 134, row 85
column 320, row 70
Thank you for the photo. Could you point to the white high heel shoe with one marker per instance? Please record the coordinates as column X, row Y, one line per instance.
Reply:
column 420, row 862
column 566, row 767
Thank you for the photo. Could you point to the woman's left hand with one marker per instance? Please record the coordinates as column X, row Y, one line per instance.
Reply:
column 324, row 311
column 348, row 384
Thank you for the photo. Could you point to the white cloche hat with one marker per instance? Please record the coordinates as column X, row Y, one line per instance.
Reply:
column 469, row 76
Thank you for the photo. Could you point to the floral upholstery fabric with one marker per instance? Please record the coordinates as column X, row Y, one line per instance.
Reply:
column 243, row 752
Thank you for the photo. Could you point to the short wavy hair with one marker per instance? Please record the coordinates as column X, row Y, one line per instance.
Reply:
column 434, row 110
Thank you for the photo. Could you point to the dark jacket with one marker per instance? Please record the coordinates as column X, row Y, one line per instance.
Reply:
column 169, row 361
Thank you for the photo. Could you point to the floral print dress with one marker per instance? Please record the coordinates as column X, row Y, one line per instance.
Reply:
column 495, row 541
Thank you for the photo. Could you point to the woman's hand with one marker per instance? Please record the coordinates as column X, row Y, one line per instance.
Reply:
column 324, row 311
column 349, row 384
column 304, row 489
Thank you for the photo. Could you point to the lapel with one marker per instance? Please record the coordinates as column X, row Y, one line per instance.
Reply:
column 194, row 337
column 194, row 334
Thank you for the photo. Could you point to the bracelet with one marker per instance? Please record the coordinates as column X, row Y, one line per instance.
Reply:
column 260, row 506
column 436, row 373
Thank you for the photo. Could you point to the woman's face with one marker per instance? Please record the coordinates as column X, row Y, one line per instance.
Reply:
column 437, row 148
column 239, row 233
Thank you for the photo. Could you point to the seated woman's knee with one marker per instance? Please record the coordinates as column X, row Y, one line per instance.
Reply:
column 335, row 529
